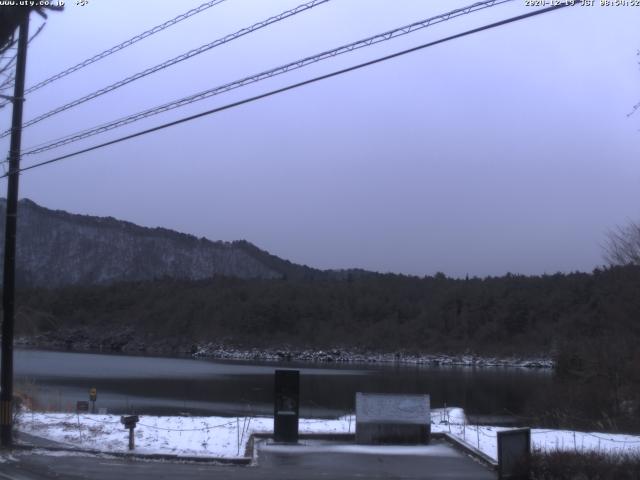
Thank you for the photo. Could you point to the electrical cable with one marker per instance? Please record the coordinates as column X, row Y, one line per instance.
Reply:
column 404, row 30
column 294, row 86
column 120, row 46
column 8, row 82
column 173, row 61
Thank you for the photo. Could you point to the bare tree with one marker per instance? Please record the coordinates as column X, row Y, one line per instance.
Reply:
column 10, row 17
column 623, row 245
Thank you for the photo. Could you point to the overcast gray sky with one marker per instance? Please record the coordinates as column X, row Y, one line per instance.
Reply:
column 506, row 151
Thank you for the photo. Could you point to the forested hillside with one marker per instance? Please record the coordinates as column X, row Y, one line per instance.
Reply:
column 57, row 248
column 384, row 312
column 588, row 323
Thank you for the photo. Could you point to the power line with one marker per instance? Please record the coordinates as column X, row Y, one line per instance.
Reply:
column 125, row 44
column 173, row 61
column 297, row 85
column 8, row 81
column 404, row 30
column 40, row 28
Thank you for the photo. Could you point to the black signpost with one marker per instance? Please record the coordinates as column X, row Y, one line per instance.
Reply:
column 286, row 406
column 129, row 422
column 514, row 454
column 93, row 396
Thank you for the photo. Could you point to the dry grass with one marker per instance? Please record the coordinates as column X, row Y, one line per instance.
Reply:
column 585, row 466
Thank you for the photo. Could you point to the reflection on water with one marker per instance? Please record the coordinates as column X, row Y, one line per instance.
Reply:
column 152, row 385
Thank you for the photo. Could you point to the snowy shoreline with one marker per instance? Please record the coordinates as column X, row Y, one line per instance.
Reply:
column 227, row 437
column 220, row 351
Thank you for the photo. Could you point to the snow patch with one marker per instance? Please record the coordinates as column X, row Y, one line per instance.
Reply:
column 226, row 437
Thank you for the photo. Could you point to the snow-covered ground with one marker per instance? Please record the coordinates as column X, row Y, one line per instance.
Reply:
column 185, row 436
column 484, row 438
column 227, row 437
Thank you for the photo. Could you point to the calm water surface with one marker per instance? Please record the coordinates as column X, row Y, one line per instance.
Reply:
column 155, row 385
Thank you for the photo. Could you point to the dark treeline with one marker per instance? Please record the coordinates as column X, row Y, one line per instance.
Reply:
column 589, row 323
column 502, row 315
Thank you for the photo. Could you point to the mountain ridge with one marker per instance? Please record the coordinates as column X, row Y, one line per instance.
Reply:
column 57, row 248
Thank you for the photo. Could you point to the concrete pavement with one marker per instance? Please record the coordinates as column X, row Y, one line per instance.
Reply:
column 312, row 460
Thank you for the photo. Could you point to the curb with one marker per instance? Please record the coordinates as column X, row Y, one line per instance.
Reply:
column 249, row 451
column 451, row 439
column 142, row 456
column 468, row 449
column 250, row 454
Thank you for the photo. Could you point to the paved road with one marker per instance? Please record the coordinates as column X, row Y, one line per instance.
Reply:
column 439, row 460
column 313, row 461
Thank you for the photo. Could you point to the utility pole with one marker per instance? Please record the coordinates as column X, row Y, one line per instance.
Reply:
column 9, row 283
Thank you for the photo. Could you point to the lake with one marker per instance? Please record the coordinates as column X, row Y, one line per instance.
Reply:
column 169, row 386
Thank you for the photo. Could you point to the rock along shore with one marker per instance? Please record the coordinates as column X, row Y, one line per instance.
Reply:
column 130, row 345
column 222, row 352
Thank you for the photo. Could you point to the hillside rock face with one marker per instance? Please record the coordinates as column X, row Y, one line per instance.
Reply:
column 56, row 248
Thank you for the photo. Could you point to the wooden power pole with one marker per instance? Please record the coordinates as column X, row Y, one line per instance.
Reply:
column 9, row 281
